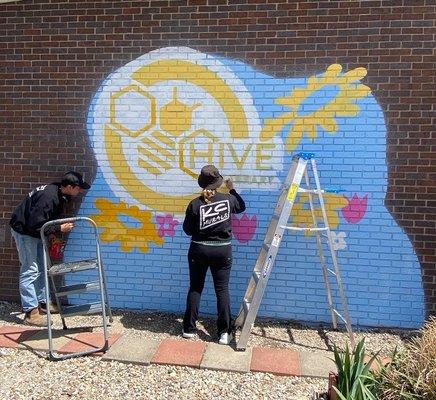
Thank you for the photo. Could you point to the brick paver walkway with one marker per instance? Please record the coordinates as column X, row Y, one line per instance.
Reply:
column 193, row 353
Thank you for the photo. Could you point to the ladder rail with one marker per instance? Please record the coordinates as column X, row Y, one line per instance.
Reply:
column 272, row 240
column 276, row 219
column 333, row 255
column 321, row 251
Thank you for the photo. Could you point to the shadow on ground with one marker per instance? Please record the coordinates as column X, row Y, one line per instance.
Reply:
column 266, row 332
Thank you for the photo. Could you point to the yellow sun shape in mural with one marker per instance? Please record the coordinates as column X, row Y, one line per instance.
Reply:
column 346, row 90
column 115, row 229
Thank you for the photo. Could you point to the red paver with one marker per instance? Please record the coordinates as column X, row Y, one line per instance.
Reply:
column 12, row 336
column 86, row 341
column 180, row 352
column 275, row 361
column 376, row 363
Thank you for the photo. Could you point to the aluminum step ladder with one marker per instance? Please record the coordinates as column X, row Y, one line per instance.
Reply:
column 265, row 261
column 98, row 285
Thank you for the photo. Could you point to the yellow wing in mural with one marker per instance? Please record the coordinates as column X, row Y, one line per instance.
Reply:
column 341, row 105
column 114, row 229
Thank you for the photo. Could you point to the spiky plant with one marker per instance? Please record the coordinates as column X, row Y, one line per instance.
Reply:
column 355, row 380
column 412, row 373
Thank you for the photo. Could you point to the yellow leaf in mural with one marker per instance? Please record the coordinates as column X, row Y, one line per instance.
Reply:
column 273, row 126
column 348, row 89
column 115, row 228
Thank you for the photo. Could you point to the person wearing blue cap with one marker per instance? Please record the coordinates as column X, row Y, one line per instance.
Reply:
column 44, row 203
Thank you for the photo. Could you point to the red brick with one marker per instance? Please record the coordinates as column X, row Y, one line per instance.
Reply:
column 180, row 352
column 276, row 361
column 88, row 341
column 12, row 336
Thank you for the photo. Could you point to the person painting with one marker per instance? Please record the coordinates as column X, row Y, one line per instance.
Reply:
column 44, row 203
column 208, row 222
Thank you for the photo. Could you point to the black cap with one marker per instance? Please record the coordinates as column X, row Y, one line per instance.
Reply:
column 74, row 179
column 210, row 177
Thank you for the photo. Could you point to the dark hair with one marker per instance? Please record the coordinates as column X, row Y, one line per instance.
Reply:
column 74, row 179
column 208, row 194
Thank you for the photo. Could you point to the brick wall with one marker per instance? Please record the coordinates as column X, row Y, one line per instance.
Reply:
column 55, row 55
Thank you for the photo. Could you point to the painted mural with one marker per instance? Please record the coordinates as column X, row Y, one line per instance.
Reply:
column 156, row 121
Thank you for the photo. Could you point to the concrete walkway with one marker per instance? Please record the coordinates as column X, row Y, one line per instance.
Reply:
column 193, row 353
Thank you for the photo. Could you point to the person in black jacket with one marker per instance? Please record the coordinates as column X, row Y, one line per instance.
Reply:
column 208, row 222
column 44, row 203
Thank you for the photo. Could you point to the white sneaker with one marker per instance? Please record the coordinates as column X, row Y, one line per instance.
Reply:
column 188, row 335
column 225, row 338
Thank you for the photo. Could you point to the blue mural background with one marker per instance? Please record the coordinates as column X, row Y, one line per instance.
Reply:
column 379, row 268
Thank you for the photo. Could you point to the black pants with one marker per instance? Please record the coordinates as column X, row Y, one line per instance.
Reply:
column 219, row 259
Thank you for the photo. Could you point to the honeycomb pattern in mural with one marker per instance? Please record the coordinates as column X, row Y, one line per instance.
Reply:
column 160, row 133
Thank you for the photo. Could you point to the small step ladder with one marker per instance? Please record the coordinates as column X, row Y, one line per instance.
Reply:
column 265, row 261
column 99, row 285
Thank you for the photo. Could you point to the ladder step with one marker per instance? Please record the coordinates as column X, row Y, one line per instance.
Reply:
column 83, row 309
column 256, row 276
column 316, row 191
column 297, row 228
column 340, row 316
column 78, row 288
column 75, row 266
column 331, row 271
column 313, row 191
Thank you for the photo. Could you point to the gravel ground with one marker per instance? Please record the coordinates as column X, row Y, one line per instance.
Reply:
column 88, row 378
column 28, row 375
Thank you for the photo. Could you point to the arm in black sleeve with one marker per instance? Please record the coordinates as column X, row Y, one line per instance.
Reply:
column 238, row 205
column 41, row 213
column 189, row 222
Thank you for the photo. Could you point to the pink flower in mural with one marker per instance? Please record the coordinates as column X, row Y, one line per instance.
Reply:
column 356, row 208
column 166, row 225
column 244, row 228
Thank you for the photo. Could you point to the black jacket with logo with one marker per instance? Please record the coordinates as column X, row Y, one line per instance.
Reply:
column 212, row 221
column 44, row 203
